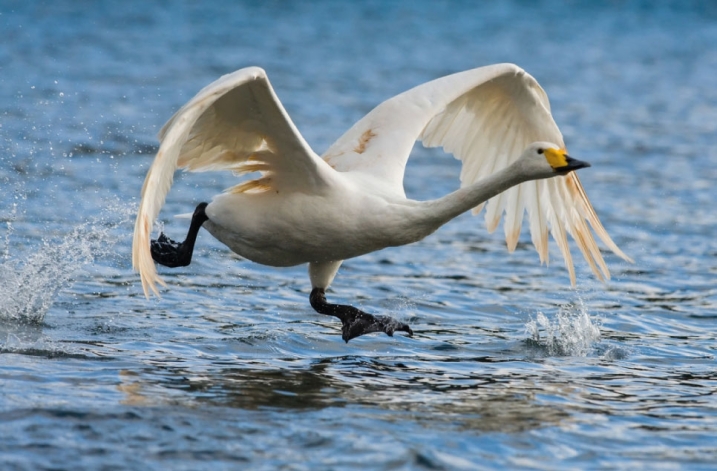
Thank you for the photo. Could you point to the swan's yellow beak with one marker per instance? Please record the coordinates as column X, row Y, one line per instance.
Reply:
column 561, row 162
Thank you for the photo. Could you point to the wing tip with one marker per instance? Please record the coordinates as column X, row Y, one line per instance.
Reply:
column 142, row 260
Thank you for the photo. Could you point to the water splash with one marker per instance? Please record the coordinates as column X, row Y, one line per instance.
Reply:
column 30, row 286
column 573, row 332
column 8, row 233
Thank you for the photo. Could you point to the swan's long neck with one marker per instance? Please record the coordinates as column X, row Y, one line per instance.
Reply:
column 430, row 215
column 463, row 199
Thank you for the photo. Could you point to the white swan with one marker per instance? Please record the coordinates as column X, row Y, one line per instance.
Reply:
column 322, row 210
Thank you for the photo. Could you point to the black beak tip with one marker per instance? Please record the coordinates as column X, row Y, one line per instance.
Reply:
column 572, row 164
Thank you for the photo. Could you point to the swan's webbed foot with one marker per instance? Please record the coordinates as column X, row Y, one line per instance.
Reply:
column 169, row 253
column 356, row 322
column 173, row 254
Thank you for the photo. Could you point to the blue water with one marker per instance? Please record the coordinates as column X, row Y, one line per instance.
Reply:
column 232, row 369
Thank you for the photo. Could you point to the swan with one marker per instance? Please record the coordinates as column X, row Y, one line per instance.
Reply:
column 321, row 210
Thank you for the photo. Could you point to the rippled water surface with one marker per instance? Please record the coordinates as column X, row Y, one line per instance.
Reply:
column 232, row 369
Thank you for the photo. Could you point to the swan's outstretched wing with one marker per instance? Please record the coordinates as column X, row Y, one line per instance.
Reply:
column 236, row 123
column 485, row 117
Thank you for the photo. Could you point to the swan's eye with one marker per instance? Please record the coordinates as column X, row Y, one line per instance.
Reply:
column 540, row 151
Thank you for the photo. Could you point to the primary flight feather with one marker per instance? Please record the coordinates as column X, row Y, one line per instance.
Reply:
column 322, row 210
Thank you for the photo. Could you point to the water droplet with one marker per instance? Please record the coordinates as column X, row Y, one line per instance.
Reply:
column 30, row 286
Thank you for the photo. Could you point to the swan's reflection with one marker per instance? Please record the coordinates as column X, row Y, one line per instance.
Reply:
column 501, row 402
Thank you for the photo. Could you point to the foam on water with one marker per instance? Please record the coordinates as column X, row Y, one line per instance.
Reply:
column 30, row 285
column 572, row 332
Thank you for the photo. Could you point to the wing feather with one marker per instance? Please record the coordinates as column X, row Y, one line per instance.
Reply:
column 238, row 124
column 485, row 117
column 538, row 221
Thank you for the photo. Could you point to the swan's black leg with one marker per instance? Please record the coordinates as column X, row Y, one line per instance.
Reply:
column 355, row 321
column 172, row 254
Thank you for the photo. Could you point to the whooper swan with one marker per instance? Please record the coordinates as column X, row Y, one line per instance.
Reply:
column 322, row 210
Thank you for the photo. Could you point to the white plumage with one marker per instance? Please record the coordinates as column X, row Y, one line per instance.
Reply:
column 321, row 210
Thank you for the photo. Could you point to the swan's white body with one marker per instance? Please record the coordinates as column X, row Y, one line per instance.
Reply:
column 342, row 221
column 322, row 210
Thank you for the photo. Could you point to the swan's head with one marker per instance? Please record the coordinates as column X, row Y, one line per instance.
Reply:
column 544, row 160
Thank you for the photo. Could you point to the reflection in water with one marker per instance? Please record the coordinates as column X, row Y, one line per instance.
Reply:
column 432, row 398
column 503, row 399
